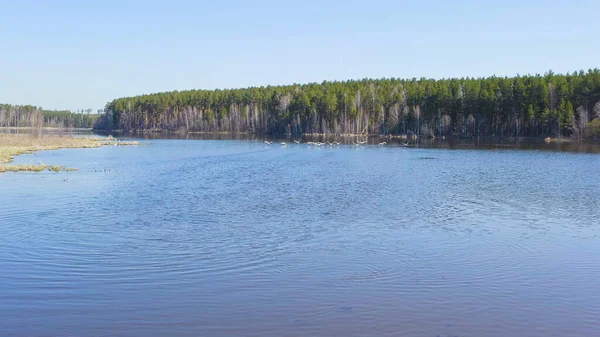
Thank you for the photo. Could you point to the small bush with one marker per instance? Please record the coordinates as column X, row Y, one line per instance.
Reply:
column 594, row 129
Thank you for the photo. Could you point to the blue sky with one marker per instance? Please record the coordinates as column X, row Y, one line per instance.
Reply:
column 74, row 54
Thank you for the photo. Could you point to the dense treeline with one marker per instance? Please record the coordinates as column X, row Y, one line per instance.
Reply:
column 21, row 116
column 68, row 119
column 548, row 105
column 32, row 116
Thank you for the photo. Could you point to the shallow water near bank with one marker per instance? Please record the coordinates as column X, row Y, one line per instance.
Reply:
column 239, row 238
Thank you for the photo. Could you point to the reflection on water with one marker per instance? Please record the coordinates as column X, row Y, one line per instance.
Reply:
column 565, row 145
column 239, row 238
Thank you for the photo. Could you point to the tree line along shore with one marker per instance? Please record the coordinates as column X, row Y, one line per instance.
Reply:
column 29, row 116
column 549, row 105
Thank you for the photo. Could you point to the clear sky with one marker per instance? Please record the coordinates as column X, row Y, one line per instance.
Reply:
column 75, row 54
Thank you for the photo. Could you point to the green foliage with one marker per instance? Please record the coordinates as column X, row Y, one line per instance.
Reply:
column 594, row 129
column 530, row 113
column 20, row 116
column 532, row 105
column 68, row 119
column 548, row 118
column 567, row 115
column 32, row 116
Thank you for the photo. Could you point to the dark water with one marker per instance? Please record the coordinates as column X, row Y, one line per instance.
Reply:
column 237, row 238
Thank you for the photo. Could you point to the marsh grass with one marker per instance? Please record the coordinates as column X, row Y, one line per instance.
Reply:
column 34, row 168
column 12, row 145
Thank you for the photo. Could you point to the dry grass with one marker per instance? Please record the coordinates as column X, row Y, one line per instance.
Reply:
column 556, row 140
column 14, row 145
column 34, row 168
column 115, row 143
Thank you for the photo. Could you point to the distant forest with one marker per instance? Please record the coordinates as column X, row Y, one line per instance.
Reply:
column 531, row 105
column 32, row 116
column 67, row 119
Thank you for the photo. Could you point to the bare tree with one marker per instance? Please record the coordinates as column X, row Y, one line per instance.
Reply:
column 426, row 131
column 394, row 116
column 404, row 109
column 358, row 102
column 580, row 130
column 553, row 105
column 446, row 123
column 596, row 111
column 39, row 122
column 417, row 113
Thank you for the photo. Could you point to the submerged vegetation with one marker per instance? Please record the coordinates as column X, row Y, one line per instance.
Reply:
column 13, row 145
column 523, row 106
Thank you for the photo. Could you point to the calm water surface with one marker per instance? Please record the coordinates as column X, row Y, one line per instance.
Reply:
column 237, row 238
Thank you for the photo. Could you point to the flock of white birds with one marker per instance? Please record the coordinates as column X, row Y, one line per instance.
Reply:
column 298, row 141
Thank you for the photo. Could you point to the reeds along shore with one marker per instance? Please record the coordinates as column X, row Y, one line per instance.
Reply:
column 12, row 145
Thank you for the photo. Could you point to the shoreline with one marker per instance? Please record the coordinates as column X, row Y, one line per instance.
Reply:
column 45, row 128
column 12, row 145
column 413, row 137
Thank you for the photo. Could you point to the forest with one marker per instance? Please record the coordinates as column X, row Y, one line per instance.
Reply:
column 523, row 106
column 67, row 119
column 21, row 116
column 32, row 116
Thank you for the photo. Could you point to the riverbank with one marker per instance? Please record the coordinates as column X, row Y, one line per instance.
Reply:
column 371, row 138
column 30, row 130
column 12, row 145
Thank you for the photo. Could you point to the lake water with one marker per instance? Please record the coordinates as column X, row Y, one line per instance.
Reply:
column 238, row 238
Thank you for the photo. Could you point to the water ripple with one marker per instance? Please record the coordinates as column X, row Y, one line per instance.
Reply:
column 238, row 238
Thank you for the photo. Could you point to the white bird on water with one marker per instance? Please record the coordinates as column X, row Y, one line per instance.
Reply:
column 405, row 144
column 268, row 142
column 284, row 143
column 383, row 143
column 297, row 141
column 337, row 143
